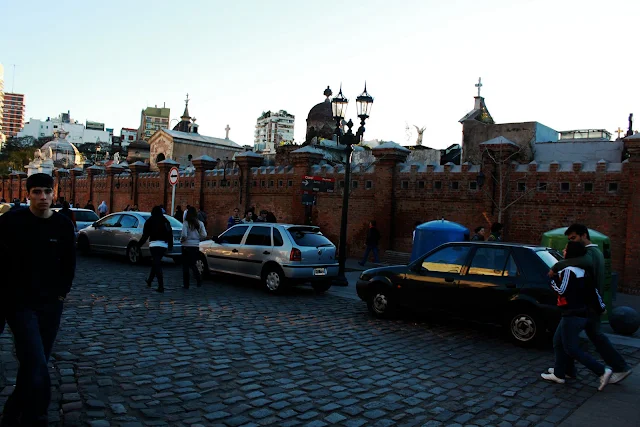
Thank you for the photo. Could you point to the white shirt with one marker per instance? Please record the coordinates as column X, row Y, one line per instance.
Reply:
column 190, row 237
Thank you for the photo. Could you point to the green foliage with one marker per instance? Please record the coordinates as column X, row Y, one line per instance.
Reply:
column 16, row 153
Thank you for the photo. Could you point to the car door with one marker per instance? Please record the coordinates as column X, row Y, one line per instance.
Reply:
column 122, row 235
column 490, row 281
column 254, row 251
column 433, row 281
column 100, row 237
column 222, row 256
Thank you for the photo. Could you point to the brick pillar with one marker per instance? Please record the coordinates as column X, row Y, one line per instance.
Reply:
column 164, row 167
column 302, row 160
column 91, row 172
column 631, row 276
column 202, row 165
column 4, row 194
column 388, row 156
column 59, row 175
column 73, row 176
column 16, row 179
column 496, row 166
column 246, row 161
column 112, row 171
column 136, row 169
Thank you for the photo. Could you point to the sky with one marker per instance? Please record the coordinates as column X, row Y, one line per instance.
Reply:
column 567, row 64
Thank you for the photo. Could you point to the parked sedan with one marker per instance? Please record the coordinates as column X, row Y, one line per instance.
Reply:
column 84, row 217
column 277, row 254
column 489, row 281
column 119, row 233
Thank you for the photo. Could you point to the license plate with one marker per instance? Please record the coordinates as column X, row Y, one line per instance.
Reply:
column 319, row 271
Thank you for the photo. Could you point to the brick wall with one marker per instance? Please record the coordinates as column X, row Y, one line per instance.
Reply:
column 604, row 196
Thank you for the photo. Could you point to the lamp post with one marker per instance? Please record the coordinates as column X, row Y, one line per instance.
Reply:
column 339, row 108
column 227, row 183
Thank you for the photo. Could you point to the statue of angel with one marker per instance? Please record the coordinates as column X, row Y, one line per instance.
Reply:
column 106, row 156
column 420, row 132
column 38, row 155
column 116, row 158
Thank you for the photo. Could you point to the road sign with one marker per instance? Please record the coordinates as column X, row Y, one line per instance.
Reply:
column 173, row 176
column 318, row 184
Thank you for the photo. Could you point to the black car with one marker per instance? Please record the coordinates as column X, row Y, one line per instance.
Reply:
column 487, row 281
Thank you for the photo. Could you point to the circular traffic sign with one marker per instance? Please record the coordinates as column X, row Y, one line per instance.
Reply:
column 173, row 175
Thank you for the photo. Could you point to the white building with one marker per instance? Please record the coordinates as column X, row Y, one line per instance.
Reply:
column 78, row 133
column 272, row 130
column 127, row 136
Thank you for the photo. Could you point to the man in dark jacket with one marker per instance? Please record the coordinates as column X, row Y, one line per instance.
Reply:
column 373, row 238
column 38, row 258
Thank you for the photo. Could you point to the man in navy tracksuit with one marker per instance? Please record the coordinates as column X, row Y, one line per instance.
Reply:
column 38, row 257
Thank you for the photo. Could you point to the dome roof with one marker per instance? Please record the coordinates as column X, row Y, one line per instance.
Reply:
column 62, row 152
column 140, row 143
column 60, row 146
column 321, row 112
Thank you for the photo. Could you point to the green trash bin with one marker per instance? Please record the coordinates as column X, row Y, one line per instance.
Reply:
column 557, row 240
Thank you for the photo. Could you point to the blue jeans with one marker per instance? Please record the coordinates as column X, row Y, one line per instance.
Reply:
column 603, row 346
column 367, row 251
column 34, row 331
column 566, row 346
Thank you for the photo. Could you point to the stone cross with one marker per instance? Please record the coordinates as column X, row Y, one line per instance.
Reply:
column 619, row 130
column 479, row 85
column 186, row 101
column 227, row 129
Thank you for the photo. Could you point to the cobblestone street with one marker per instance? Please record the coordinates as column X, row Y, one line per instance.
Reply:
column 229, row 354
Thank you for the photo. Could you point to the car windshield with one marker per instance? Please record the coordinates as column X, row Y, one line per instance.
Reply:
column 309, row 237
column 174, row 222
column 86, row 216
column 549, row 257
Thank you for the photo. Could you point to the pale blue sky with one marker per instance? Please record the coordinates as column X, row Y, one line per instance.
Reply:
column 567, row 64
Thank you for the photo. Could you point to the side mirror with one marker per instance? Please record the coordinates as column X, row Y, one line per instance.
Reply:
column 215, row 239
column 95, row 224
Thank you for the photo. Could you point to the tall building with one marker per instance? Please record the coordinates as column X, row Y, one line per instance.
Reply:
column 78, row 134
column 127, row 136
column 13, row 114
column 2, row 137
column 151, row 120
column 272, row 130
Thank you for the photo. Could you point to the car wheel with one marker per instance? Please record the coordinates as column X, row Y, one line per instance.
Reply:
column 203, row 268
column 83, row 245
column 274, row 280
column 524, row 326
column 321, row 287
column 381, row 303
column 133, row 254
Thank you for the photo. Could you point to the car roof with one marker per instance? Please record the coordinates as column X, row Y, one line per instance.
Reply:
column 508, row 244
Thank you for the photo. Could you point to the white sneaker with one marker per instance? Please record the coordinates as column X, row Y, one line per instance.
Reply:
column 552, row 378
column 605, row 378
column 551, row 371
column 619, row 376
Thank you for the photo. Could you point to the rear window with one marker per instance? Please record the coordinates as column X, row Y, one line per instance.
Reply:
column 308, row 237
column 86, row 216
column 549, row 258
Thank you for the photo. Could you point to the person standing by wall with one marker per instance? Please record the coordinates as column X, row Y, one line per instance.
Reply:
column 37, row 249
column 179, row 214
column 90, row 206
column 193, row 231
column 479, row 236
column 496, row 232
column 372, row 241
column 103, row 209
column 202, row 216
column 158, row 230
column 234, row 219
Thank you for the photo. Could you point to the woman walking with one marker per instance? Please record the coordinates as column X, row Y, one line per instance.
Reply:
column 158, row 230
column 193, row 231
column 576, row 295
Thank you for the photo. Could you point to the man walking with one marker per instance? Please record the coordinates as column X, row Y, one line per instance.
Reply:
column 373, row 238
column 593, row 262
column 38, row 257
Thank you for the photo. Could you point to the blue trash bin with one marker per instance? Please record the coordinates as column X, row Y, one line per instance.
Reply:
column 432, row 234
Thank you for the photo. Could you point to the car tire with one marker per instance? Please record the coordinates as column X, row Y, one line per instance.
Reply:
column 203, row 268
column 524, row 326
column 274, row 280
column 83, row 245
column 134, row 255
column 321, row 287
column 381, row 303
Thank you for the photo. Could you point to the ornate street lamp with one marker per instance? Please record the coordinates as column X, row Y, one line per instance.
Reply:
column 339, row 108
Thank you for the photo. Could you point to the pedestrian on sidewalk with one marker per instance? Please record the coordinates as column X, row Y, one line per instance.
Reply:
column 248, row 217
column 179, row 214
column 158, row 230
column 234, row 219
column 575, row 297
column 90, row 206
column 66, row 211
column 37, row 249
column 479, row 234
column 193, row 231
column 496, row 232
column 371, row 243
column 202, row 216
column 593, row 263
column 103, row 209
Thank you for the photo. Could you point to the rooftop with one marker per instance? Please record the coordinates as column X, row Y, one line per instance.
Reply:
column 196, row 137
column 157, row 112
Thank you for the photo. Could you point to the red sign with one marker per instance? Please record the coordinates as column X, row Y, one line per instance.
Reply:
column 174, row 174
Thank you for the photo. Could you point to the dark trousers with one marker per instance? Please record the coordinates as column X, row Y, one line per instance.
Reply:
column 34, row 331
column 566, row 347
column 603, row 346
column 367, row 251
column 156, row 266
column 189, row 257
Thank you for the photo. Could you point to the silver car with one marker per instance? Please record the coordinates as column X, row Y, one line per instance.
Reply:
column 84, row 217
column 277, row 254
column 119, row 233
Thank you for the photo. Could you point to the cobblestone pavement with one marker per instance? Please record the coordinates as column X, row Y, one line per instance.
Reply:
column 230, row 355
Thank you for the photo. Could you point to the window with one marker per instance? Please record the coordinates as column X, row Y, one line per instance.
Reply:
column 368, row 185
column 277, row 238
column 128, row 221
column 565, row 186
column 110, row 221
column 613, row 187
column 280, row 183
column 259, row 236
column 213, row 183
column 542, row 186
column 473, row 185
column 290, row 183
column 447, row 260
column 405, row 185
column 130, row 137
column 308, row 237
column 522, row 187
column 493, row 262
column 234, row 235
column 455, row 185
column 437, row 185
column 340, row 184
column 354, row 184
column 271, row 183
column 86, row 216
column 421, row 185
column 588, row 187
column 263, row 183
